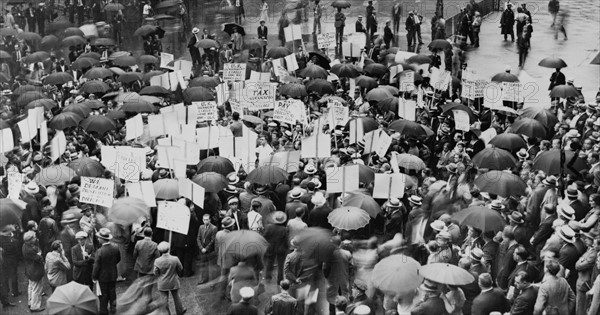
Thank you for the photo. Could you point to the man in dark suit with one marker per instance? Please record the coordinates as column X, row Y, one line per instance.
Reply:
column 262, row 32
column 490, row 299
column 295, row 203
column 520, row 257
column 277, row 236
column 83, row 260
column 432, row 303
column 388, row 35
column 359, row 27
column 206, row 245
column 410, row 29
column 568, row 254
column 105, row 271
column 144, row 254
column 194, row 51
column 318, row 216
column 490, row 251
column 41, row 17
column 283, row 303
column 557, row 78
column 476, row 269
column 545, row 230
column 241, row 219
column 244, row 307
column 30, row 16
column 394, row 218
column 505, row 260
column 525, row 302
column 580, row 209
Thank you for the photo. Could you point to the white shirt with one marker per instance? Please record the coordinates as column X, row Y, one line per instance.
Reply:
column 254, row 220
column 146, row 9
column 264, row 151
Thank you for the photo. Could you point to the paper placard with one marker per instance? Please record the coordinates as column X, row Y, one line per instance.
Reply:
column 325, row 40
column 468, row 90
column 129, row 163
column 285, row 111
column 359, row 39
column 492, row 95
column 191, row 191
column 316, row 146
column 394, row 162
column 15, row 182
column 185, row 66
column 257, row 95
column 383, row 144
column 292, row 32
column 165, row 59
column 167, row 154
column 356, row 130
column 173, row 216
column 236, row 107
column 338, row 114
column 407, row 109
column 371, row 138
column 208, row 137
column 351, row 49
column 234, row 71
column 407, row 81
column 342, row 178
column 291, row 64
column 207, row 110
column 161, row 80
column 28, row 128
column 510, row 91
column 260, row 76
column 6, row 140
column 461, row 120
column 58, row 145
column 38, row 115
column 440, row 79
column 97, row 191
column 43, row 134
column 143, row 190
column 487, row 135
column 389, row 186
column 222, row 93
column 239, row 147
column 480, row 86
column 134, row 127
column 286, row 160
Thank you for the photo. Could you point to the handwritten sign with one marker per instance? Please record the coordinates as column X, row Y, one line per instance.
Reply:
column 236, row 107
column 326, row 40
column 165, row 59
column 338, row 114
column 129, row 162
column 284, row 112
column 15, row 181
column 440, row 79
column 480, row 86
column 407, row 109
column 257, row 95
column 191, row 191
column 468, row 90
column 207, row 110
column 492, row 95
column 510, row 91
column 173, row 216
column 6, row 140
column 234, row 72
column 359, row 39
column 97, row 191
column 292, row 32
column 461, row 120
column 407, row 81
column 383, row 144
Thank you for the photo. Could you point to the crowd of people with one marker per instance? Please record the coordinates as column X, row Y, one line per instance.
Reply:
column 508, row 223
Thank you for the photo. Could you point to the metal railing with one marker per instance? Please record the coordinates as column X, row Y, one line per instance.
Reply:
column 484, row 7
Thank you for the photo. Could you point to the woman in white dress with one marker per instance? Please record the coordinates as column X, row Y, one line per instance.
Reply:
column 264, row 11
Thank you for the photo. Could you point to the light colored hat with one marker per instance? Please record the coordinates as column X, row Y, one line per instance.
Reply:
column 81, row 234
column 195, row 30
column 416, row 200
column 438, row 225
column 28, row 236
column 362, row 310
column 247, row 293
column 310, row 169
column 565, row 211
column 516, row 217
column 227, row 222
column 32, row 188
column 550, row 180
column 567, row 234
column 296, row 193
column 318, row 199
column 279, row 217
column 444, row 234
column 497, row 205
column 79, row 99
column 476, row 253
column 522, row 154
column 104, row 234
column 394, row 203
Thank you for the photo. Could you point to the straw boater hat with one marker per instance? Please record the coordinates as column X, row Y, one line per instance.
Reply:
column 415, row 200
column 565, row 211
column 230, row 189
column 430, row 286
column 497, row 205
column 572, row 191
column 260, row 190
column 444, row 234
column 296, row 193
column 476, row 253
column 549, row 181
column 81, row 234
column 522, row 154
column 104, row 234
column 227, row 222
column 394, row 203
column 310, row 169
column 438, row 225
column 233, row 199
column 566, row 234
column 246, row 293
column 279, row 217
column 195, row 30
column 233, row 178
column 516, row 217
column 317, row 183
column 32, row 188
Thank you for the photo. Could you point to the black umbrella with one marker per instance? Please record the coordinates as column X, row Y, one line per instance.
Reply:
column 321, row 59
column 229, row 27
column 552, row 62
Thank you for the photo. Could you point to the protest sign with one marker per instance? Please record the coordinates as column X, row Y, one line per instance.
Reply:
column 461, row 120
column 165, row 59
column 58, row 145
column 389, row 186
column 191, row 191
column 468, row 90
column 185, row 66
column 338, row 114
column 325, row 40
column 492, row 95
column 487, row 135
column 28, row 128
column 356, row 130
column 43, row 135
column 134, row 127
column 222, row 93
column 257, row 95
column 407, row 81
column 359, row 39
column 383, row 144
column 480, row 86
column 207, row 110
column 342, row 178
column 351, row 49
column 38, row 116
column 510, row 91
column 260, row 76
column 208, row 137
column 15, row 183
column 316, row 146
column 173, row 216
column 167, row 154
column 286, row 160
column 97, row 191
column 394, row 162
column 6, row 140
column 288, row 111
column 407, row 109
column 234, row 71
column 440, row 79
column 292, row 32
column 371, row 138
column 143, row 190
column 129, row 162
column 291, row 64
column 236, row 107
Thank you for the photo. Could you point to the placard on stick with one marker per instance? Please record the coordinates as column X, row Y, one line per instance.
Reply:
column 207, row 110
column 234, row 72
column 325, row 40
column 143, row 190
column 389, row 186
column 316, row 146
column 97, row 191
column 173, row 216
column 342, row 178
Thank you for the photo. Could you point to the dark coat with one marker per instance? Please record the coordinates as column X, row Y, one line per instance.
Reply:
column 543, row 233
column 105, row 265
column 387, row 35
column 557, row 78
column 277, row 236
column 34, row 262
column 433, row 305
column 490, row 301
column 507, row 20
column 206, row 237
column 580, row 209
column 82, row 268
column 194, row 51
column 262, row 33
column 525, row 302
column 242, row 308
column 318, row 217
column 506, row 264
column 359, row 27
column 290, row 209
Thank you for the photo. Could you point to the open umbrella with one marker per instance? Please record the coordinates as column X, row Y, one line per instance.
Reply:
column 207, row 43
column 55, row 175
column 64, row 120
column 480, row 217
column 411, row 128
column 26, row 88
column 344, row 4
column 129, row 77
column 320, row 59
column 145, row 30
column 4, row 55
column 253, row 119
column 446, row 274
column 229, row 27
column 505, row 77
column 294, row 90
column 127, row 210
column 38, row 56
column 93, row 104
column 315, row 244
column 389, row 104
column 420, row 59
column 529, row 127
column 82, row 63
column 494, row 159
column 508, row 141
column 8, row 31
column 549, row 162
column 320, row 86
column 345, row 70
column 375, row 69
column 138, row 106
column 448, row 108
column 501, row 183
column 313, row 71
column 33, row 38
column 155, row 90
column 217, row 164
column 102, row 41
column 254, row 43
column 166, row 189
column 93, row 87
column 72, row 298
column 211, row 181
column 369, row 83
column 364, row 202
column 125, row 61
column 46, row 103
column 410, row 162
column 127, row 96
column 49, row 42
column 116, row 114
column 267, row 174
column 278, row 52
column 91, row 54
column 73, row 31
column 114, row 7
column 98, row 73
column 78, row 109
column 98, row 124
column 563, row 91
column 147, row 59
column 552, row 62
column 392, row 89
column 149, row 75
column 348, row 218
column 88, row 167
column 440, row 44
column 73, row 40
column 10, row 213
column 242, row 244
column 397, row 275
column 205, row 81
column 29, row 97
column 369, row 124
column 198, row 94
column 546, row 117
column 58, row 78
column 378, row 94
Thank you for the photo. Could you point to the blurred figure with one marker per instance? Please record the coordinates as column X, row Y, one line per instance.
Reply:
column 166, row 268
column 559, row 24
